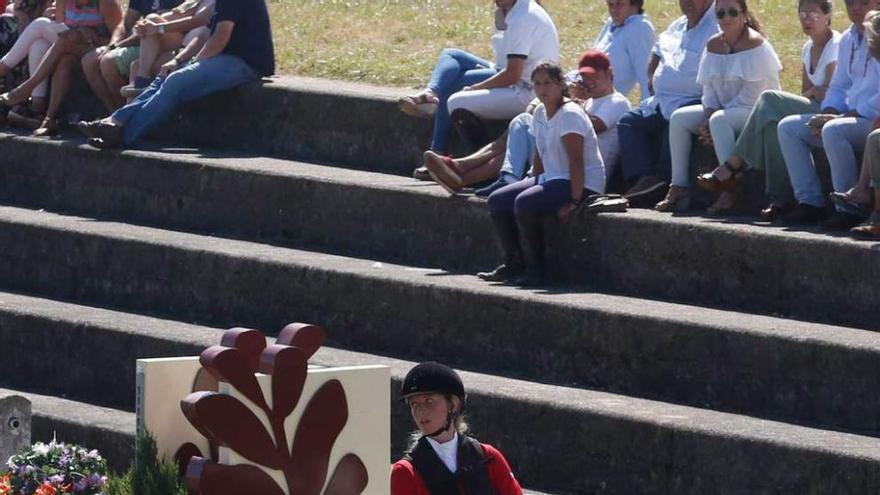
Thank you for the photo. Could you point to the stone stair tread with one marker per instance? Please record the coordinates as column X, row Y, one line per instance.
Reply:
column 509, row 412
column 411, row 275
column 480, row 385
column 287, row 168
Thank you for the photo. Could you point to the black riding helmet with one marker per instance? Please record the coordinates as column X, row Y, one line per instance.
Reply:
column 433, row 377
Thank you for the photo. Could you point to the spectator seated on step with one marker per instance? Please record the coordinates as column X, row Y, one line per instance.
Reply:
column 25, row 33
column 86, row 25
column 738, row 64
column 672, row 71
column 107, row 68
column 168, row 41
column 567, row 169
column 441, row 449
column 511, row 154
column 757, row 146
column 627, row 37
column 848, row 111
column 239, row 51
column 870, row 229
column 465, row 87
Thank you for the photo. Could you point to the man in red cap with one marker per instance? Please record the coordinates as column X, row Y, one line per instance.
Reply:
column 594, row 84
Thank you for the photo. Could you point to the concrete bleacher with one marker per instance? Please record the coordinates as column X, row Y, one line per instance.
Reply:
column 673, row 355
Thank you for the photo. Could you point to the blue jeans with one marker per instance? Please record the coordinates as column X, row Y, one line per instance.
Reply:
column 644, row 144
column 156, row 104
column 841, row 138
column 455, row 69
column 520, row 146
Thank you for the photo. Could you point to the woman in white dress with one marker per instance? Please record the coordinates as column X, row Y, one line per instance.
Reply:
column 738, row 64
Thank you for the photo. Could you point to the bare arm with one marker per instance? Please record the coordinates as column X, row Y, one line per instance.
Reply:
column 574, row 147
column 598, row 125
column 59, row 11
column 537, row 165
column 806, row 84
column 111, row 13
column 506, row 77
column 217, row 42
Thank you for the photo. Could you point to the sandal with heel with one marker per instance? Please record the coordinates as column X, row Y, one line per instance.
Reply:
column 710, row 183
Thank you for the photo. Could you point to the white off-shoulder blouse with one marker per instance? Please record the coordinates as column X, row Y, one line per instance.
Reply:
column 736, row 80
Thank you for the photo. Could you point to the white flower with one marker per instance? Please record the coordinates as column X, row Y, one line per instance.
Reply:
column 41, row 448
column 9, row 463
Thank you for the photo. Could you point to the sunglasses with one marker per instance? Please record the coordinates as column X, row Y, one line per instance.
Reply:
column 811, row 16
column 732, row 12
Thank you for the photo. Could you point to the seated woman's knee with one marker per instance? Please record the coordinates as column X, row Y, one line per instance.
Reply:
column 108, row 65
column 833, row 129
column 523, row 119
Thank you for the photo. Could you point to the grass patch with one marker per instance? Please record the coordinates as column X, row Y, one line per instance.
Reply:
column 395, row 42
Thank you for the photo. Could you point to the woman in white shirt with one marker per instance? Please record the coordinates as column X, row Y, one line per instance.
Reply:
column 566, row 169
column 525, row 35
column 738, row 64
column 758, row 146
column 627, row 37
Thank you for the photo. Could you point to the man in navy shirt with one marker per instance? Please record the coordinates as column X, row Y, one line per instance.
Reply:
column 240, row 50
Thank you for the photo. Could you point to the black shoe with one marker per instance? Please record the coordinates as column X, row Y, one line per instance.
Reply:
column 533, row 277
column 803, row 214
column 647, row 196
column 841, row 221
column 504, row 180
column 508, row 238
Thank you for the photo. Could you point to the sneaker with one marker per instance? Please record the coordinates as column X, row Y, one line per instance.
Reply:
column 505, row 179
column 841, row 221
column 803, row 214
column 422, row 173
column 444, row 172
column 678, row 199
column 844, row 203
column 130, row 91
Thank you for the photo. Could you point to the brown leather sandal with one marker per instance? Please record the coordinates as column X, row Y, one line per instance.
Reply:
column 710, row 183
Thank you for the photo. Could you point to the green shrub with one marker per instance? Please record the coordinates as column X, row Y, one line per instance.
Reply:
column 149, row 475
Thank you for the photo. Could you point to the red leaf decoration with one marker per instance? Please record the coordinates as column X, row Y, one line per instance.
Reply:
column 209, row 478
column 225, row 420
column 349, row 478
column 288, row 367
column 230, row 365
column 320, row 425
column 307, row 337
column 250, row 342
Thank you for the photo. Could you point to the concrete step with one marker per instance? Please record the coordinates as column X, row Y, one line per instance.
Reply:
column 350, row 124
column 111, row 431
column 570, row 440
column 757, row 365
column 722, row 263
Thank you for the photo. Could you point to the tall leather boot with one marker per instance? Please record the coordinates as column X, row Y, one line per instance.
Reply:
column 508, row 238
column 470, row 129
column 531, row 229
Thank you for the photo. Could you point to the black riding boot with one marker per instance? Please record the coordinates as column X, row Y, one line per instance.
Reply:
column 505, row 229
column 471, row 130
column 531, row 229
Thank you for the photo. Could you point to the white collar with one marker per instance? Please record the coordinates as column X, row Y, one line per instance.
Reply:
column 448, row 451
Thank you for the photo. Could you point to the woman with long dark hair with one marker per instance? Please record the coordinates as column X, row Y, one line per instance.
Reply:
column 566, row 168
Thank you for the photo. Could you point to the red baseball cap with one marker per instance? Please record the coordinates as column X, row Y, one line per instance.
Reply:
column 593, row 61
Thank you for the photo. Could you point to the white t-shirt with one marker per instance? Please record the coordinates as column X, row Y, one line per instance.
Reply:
column 609, row 109
column 570, row 119
column 531, row 34
column 829, row 55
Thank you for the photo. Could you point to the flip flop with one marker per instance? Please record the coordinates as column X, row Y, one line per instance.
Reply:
column 418, row 106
